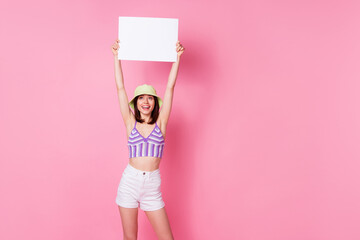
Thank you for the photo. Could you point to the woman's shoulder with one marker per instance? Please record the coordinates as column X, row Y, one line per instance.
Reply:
column 130, row 125
column 158, row 122
column 161, row 126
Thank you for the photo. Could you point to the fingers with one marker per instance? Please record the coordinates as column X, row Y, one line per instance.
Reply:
column 179, row 47
column 178, row 43
column 115, row 46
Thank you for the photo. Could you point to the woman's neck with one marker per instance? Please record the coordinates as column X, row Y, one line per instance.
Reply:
column 146, row 118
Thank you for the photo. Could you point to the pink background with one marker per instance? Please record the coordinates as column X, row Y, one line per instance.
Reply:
column 262, row 143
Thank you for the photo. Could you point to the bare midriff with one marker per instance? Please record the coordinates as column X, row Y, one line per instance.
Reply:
column 145, row 163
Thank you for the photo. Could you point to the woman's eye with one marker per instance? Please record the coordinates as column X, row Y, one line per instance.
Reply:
column 140, row 97
column 150, row 98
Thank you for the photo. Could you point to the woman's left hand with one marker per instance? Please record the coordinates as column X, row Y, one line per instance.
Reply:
column 179, row 48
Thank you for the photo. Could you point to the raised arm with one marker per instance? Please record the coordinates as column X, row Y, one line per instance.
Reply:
column 169, row 92
column 126, row 113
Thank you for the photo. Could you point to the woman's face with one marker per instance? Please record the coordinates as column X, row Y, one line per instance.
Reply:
column 146, row 104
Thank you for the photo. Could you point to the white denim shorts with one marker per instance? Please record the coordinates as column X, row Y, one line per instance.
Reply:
column 142, row 187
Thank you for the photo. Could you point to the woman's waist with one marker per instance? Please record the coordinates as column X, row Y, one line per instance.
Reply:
column 145, row 163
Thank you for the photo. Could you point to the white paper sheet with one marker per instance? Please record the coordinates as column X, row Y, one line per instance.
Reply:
column 148, row 39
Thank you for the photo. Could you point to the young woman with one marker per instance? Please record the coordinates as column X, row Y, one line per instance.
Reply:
column 146, row 129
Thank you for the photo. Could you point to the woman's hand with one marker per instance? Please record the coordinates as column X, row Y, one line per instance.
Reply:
column 115, row 47
column 179, row 49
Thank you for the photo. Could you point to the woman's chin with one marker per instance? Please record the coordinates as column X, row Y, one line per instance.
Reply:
column 147, row 113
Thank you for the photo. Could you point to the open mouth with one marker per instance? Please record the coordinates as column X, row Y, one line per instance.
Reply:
column 145, row 107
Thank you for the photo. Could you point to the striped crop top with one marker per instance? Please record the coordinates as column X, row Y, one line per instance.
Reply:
column 152, row 146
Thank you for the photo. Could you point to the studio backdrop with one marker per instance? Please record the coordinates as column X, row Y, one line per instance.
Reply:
column 263, row 138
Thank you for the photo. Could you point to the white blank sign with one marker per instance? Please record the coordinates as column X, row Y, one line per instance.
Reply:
column 148, row 39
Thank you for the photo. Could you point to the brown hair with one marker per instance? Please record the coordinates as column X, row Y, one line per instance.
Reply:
column 154, row 114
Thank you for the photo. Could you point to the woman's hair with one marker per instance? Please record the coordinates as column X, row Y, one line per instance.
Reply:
column 154, row 113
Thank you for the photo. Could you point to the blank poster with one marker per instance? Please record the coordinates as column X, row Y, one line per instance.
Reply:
column 148, row 39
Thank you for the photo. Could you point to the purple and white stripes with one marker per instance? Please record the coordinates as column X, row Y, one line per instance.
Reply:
column 152, row 146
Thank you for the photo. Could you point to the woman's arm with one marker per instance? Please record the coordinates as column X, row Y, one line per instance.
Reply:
column 169, row 92
column 119, row 79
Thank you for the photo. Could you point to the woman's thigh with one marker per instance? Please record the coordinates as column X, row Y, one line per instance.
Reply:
column 129, row 220
column 160, row 222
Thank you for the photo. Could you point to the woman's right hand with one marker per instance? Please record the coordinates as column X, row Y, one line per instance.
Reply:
column 115, row 47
